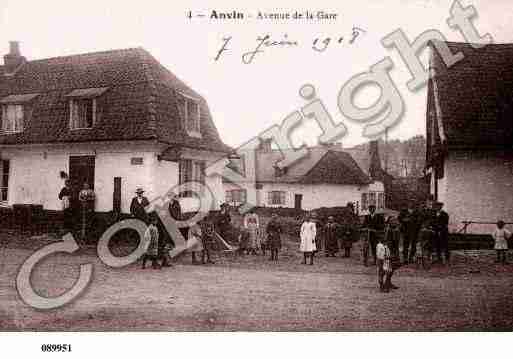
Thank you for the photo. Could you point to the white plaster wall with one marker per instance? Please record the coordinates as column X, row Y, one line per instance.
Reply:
column 117, row 164
column 34, row 179
column 34, row 173
column 314, row 196
column 478, row 187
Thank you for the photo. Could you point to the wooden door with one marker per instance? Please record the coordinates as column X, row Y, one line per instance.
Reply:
column 298, row 198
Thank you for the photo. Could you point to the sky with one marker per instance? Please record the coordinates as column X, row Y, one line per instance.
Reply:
column 246, row 99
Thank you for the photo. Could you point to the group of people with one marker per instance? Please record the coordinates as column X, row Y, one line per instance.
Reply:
column 423, row 230
column 199, row 236
column 77, row 207
column 253, row 240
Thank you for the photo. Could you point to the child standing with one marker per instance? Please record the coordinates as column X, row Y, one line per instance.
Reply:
column 151, row 238
column 384, row 265
column 501, row 235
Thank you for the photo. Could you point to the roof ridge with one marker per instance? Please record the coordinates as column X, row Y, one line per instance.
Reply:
column 102, row 52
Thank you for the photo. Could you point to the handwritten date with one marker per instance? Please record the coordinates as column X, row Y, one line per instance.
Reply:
column 263, row 43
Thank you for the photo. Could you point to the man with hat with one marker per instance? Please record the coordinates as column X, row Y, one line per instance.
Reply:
column 374, row 223
column 442, row 232
column 139, row 202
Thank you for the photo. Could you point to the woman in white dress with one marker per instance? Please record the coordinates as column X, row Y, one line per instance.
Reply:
column 252, row 225
column 308, row 234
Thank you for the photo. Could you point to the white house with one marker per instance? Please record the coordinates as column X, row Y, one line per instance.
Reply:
column 469, row 127
column 115, row 119
column 327, row 177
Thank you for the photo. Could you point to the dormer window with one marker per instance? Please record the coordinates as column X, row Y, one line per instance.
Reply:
column 83, row 107
column 14, row 112
column 12, row 118
column 82, row 113
column 191, row 112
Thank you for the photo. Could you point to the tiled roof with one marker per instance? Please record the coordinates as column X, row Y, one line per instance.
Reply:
column 322, row 165
column 473, row 107
column 140, row 101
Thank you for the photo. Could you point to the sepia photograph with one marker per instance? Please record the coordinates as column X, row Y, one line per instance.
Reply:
column 184, row 167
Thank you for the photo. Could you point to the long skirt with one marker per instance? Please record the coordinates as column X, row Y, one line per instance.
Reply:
column 274, row 241
column 307, row 245
column 254, row 238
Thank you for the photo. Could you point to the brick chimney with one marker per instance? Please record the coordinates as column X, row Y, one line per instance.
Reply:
column 13, row 60
column 375, row 169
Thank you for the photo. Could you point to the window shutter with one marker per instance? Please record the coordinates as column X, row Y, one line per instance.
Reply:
column 18, row 126
column 244, row 196
column 282, row 197
column 202, row 167
column 228, row 196
column 270, row 197
column 4, row 118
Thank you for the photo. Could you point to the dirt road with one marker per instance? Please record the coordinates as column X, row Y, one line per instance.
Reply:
column 254, row 294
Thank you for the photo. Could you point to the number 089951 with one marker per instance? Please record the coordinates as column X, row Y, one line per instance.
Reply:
column 56, row 348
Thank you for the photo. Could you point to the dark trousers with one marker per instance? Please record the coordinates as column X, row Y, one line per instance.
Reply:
column 409, row 245
column 67, row 223
column 373, row 242
column 274, row 254
column 442, row 244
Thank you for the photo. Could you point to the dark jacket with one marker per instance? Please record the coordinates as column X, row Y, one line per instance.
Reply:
column 137, row 209
column 175, row 210
column 442, row 221
column 273, row 231
column 376, row 222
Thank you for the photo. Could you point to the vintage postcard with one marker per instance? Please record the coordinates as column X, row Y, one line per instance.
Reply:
column 275, row 167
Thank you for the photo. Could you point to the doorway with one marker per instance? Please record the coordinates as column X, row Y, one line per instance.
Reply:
column 298, row 198
column 81, row 170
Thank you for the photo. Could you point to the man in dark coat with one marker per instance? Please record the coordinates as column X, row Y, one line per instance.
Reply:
column 375, row 224
column 442, row 232
column 223, row 221
column 409, row 227
column 331, row 236
column 175, row 211
column 65, row 195
column 139, row 202
column 273, row 231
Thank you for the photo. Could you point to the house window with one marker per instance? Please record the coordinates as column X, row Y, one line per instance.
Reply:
column 278, row 172
column 191, row 111
column 4, row 180
column 365, row 201
column 12, row 118
column 373, row 198
column 276, row 197
column 82, row 113
column 136, row 161
column 381, row 200
column 191, row 171
column 236, row 196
